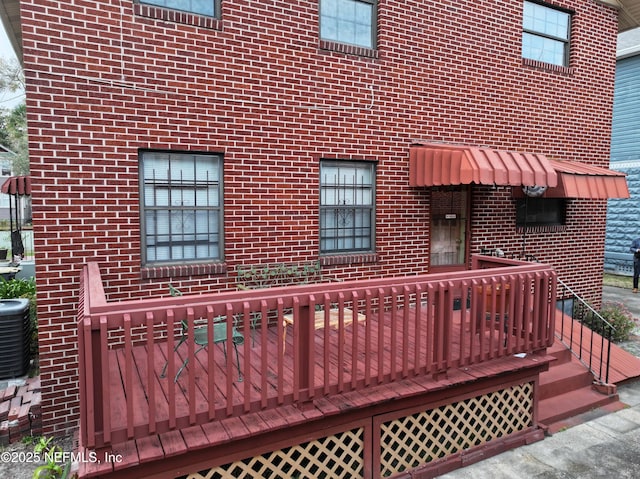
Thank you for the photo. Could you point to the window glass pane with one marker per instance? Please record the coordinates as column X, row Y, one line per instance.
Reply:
column 545, row 20
column 182, row 169
column 329, row 8
column 362, row 35
column 347, row 21
column 201, row 7
column 543, row 49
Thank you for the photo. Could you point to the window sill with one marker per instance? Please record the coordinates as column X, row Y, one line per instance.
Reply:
column 176, row 16
column 547, row 66
column 540, row 228
column 346, row 259
column 182, row 270
column 348, row 49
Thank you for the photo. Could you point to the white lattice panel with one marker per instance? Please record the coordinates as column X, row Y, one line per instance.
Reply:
column 337, row 456
column 410, row 441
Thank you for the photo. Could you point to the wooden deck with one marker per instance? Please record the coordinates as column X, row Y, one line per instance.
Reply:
column 166, row 443
column 408, row 342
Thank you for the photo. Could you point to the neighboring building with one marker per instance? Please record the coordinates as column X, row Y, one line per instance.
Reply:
column 623, row 216
column 15, row 211
column 177, row 142
column 5, row 173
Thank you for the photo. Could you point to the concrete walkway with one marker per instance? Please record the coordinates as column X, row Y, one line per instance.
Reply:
column 605, row 445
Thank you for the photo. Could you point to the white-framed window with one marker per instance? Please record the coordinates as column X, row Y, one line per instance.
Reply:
column 347, row 206
column 349, row 21
column 210, row 8
column 181, row 207
column 545, row 34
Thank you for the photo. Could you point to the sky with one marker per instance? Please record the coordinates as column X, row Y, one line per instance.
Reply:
column 8, row 99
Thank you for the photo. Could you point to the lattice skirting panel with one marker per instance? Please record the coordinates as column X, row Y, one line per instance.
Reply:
column 404, row 440
column 336, row 456
column 409, row 441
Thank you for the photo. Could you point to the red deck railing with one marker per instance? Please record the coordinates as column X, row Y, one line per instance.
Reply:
column 301, row 343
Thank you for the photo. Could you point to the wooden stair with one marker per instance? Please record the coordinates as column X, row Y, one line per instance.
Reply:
column 566, row 391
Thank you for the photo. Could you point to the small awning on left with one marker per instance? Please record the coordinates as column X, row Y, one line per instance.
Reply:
column 17, row 185
column 443, row 165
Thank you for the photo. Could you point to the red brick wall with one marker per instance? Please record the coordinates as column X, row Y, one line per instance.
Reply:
column 103, row 82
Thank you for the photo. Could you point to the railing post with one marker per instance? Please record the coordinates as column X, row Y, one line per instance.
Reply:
column 96, row 371
column 305, row 324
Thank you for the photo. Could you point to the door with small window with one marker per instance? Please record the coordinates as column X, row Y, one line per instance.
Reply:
column 449, row 228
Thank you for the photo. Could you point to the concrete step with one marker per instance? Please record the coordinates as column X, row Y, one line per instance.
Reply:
column 564, row 377
column 572, row 403
column 560, row 352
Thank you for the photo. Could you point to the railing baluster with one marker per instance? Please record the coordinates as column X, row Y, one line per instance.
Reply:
column 151, row 373
column 281, row 348
column 264, row 328
column 231, row 370
column 128, row 372
column 405, row 330
column 354, row 340
column 170, row 366
column 246, row 363
column 326, row 307
column 430, row 327
column 417, row 331
column 394, row 332
column 211, row 363
column 311, row 310
column 191, row 365
column 340, row 340
column 368, row 312
column 381, row 335
column 105, row 374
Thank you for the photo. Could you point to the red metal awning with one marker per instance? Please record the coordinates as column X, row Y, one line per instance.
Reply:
column 581, row 180
column 441, row 165
column 17, row 185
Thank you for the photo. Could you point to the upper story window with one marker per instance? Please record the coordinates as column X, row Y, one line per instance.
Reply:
column 347, row 206
column 181, row 203
column 349, row 21
column 210, row 8
column 545, row 35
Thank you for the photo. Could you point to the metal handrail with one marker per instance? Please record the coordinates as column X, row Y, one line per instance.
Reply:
column 580, row 311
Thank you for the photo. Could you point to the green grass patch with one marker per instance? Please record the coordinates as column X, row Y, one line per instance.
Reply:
column 616, row 280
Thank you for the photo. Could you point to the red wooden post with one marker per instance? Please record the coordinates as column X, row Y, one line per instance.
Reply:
column 305, row 323
column 95, row 370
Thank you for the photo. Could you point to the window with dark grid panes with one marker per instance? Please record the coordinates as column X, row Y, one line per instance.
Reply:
column 181, row 203
column 347, row 206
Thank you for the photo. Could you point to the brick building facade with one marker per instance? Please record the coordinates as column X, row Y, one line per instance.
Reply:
column 268, row 101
